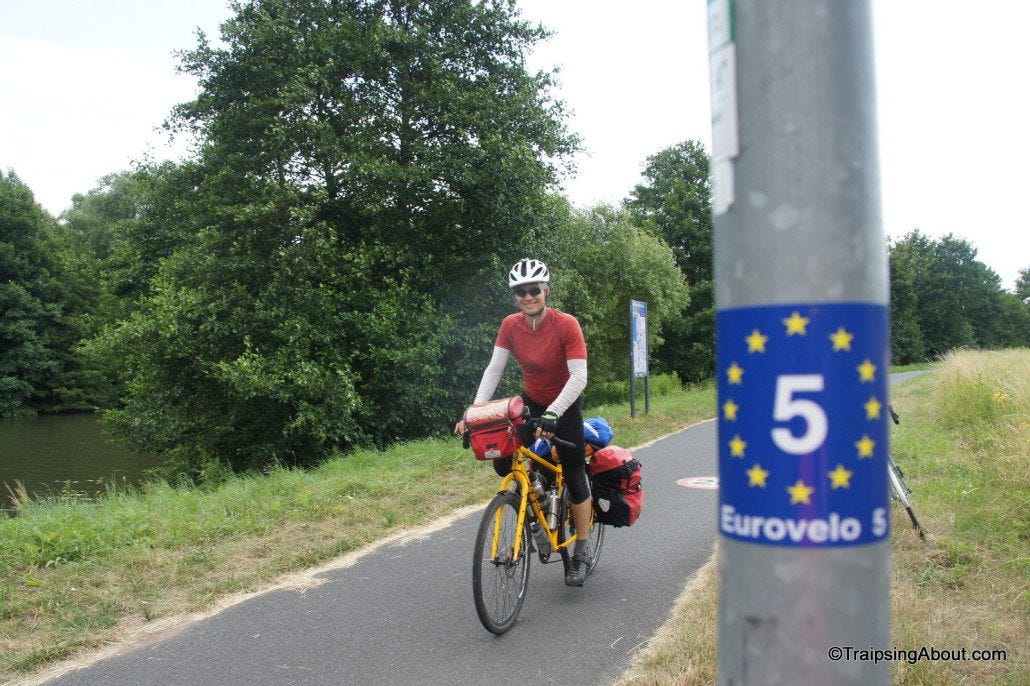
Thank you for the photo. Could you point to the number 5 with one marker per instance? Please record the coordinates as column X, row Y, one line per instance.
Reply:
column 786, row 407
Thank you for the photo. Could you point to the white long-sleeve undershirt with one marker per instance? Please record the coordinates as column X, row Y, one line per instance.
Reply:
column 573, row 387
column 492, row 374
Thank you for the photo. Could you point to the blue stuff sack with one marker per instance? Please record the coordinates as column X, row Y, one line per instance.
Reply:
column 597, row 432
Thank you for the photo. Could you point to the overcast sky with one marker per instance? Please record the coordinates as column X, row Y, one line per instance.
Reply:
column 85, row 85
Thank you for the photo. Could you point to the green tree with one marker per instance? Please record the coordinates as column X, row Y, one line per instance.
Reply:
column 44, row 305
column 906, row 336
column 26, row 360
column 1023, row 284
column 121, row 231
column 1012, row 328
column 365, row 167
column 958, row 298
column 675, row 203
column 605, row 262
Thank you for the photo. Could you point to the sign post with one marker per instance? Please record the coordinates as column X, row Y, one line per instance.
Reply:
column 801, row 293
column 638, row 354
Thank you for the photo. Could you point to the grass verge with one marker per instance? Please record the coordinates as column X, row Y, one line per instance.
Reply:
column 964, row 444
column 76, row 575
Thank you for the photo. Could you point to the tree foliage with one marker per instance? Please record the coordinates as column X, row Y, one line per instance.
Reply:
column 674, row 202
column 45, row 301
column 1023, row 285
column 944, row 296
column 907, row 344
column 328, row 270
column 603, row 262
column 365, row 166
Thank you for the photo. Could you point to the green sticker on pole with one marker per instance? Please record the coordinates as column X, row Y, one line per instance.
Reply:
column 803, row 424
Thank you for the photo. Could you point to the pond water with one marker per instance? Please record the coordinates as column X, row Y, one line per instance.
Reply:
column 48, row 452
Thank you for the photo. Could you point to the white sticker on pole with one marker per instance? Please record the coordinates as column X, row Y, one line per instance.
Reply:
column 722, row 64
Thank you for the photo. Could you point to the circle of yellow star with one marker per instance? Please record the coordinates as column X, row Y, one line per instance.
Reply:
column 841, row 339
column 796, row 324
column 866, row 371
column 756, row 476
column 872, row 408
column 865, row 447
column 737, row 446
column 756, row 342
column 735, row 373
column 729, row 410
column 840, row 477
column 800, row 493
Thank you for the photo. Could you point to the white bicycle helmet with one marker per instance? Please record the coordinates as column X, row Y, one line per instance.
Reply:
column 528, row 271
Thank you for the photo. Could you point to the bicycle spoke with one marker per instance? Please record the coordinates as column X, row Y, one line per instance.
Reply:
column 499, row 583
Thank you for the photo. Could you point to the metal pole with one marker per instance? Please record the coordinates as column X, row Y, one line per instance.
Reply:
column 801, row 291
column 632, row 368
column 647, row 394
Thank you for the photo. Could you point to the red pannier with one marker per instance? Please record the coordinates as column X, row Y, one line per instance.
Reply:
column 615, row 486
column 494, row 427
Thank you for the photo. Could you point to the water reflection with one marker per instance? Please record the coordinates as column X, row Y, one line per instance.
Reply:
column 49, row 453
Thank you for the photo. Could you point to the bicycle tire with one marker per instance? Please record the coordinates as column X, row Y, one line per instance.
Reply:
column 567, row 528
column 499, row 585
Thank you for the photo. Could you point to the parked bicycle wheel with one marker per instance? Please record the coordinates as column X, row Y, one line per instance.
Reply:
column 499, row 582
column 568, row 528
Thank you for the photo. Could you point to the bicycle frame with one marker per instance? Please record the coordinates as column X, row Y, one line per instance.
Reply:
column 898, row 488
column 520, row 474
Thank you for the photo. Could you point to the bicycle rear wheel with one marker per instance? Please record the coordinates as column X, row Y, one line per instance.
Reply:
column 499, row 583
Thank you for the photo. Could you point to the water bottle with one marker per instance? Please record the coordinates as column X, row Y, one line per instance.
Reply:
column 538, row 487
column 553, row 503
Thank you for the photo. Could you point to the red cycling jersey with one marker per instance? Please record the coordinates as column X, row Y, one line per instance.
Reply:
column 543, row 354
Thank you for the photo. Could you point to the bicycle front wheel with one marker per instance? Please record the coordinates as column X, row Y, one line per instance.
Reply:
column 499, row 582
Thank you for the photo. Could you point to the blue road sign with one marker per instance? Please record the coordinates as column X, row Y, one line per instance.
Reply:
column 638, row 337
column 803, row 434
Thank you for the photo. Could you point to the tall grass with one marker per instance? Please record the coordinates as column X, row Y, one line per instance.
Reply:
column 986, row 397
column 967, row 447
column 964, row 443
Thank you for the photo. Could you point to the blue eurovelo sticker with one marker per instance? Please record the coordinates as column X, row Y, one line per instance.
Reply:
column 803, row 434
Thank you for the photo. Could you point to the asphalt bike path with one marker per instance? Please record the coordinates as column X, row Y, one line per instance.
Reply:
column 404, row 613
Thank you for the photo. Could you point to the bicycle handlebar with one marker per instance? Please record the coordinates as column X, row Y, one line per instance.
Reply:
column 536, row 421
column 532, row 421
column 562, row 441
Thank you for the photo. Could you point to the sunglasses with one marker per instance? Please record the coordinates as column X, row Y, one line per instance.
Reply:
column 523, row 292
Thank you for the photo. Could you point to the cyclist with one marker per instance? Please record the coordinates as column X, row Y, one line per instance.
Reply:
column 549, row 346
